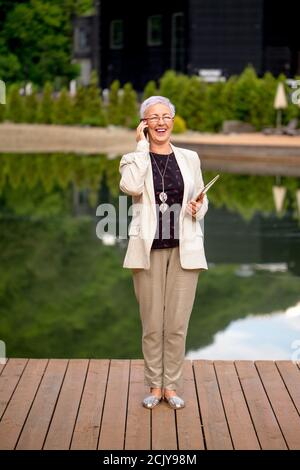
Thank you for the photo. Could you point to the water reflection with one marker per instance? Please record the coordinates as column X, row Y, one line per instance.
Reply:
column 275, row 336
column 92, row 179
column 64, row 293
column 265, row 238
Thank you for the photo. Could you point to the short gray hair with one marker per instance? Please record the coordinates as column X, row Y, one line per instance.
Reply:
column 155, row 100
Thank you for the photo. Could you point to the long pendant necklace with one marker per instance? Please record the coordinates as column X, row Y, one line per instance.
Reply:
column 162, row 196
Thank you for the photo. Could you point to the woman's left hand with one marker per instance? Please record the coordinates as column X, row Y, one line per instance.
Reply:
column 193, row 206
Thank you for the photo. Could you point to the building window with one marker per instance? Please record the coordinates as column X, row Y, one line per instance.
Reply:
column 116, row 34
column 82, row 39
column 178, row 43
column 155, row 30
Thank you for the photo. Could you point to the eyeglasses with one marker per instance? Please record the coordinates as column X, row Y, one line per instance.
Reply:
column 155, row 119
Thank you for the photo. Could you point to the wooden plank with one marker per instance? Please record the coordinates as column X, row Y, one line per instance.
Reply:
column 189, row 426
column 138, row 426
column 20, row 403
column 9, row 379
column 97, row 404
column 239, row 421
column 87, row 428
column 2, row 367
column 216, row 432
column 164, row 433
column 284, row 409
column 264, row 420
column 115, row 406
column 61, row 428
column 290, row 373
column 37, row 423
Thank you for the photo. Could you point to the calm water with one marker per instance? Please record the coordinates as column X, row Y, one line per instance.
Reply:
column 64, row 293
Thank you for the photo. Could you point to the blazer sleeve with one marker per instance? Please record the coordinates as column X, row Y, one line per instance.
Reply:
column 199, row 184
column 133, row 167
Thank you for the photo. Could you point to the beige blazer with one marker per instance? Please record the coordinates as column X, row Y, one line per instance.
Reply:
column 137, row 181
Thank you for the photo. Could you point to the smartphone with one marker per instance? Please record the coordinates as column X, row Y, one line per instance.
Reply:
column 145, row 130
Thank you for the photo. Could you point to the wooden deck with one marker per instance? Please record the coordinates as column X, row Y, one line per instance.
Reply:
column 96, row 404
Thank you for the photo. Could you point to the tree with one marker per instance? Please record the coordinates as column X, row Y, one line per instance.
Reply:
column 168, row 85
column 129, row 106
column 212, row 108
column 10, row 66
column 245, row 94
column 2, row 112
column 31, row 107
column 62, row 112
column 193, row 95
column 15, row 105
column 171, row 86
column 36, row 39
column 262, row 112
column 79, row 104
column 45, row 111
column 93, row 114
column 114, row 105
column 150, row 90
column 227, row 98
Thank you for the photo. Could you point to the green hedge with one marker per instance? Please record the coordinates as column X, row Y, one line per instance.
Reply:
column 200, row 106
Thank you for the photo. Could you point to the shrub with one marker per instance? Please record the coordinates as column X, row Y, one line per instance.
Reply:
column 62, row 113
column 2, row 112
column 93, row 113
column 179, row 125
column 113, row 108
column 246, row 94
column 194, row 96
column 150, row 90
column 79, row 105
column 15, row 106
column 172, row 86
column 31, row 105
column 199, row 105
column 213, row 111
column 46, row 105
column 128, row 108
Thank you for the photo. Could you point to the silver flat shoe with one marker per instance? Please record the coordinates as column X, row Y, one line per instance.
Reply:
column 151, row 401
column 175, row 402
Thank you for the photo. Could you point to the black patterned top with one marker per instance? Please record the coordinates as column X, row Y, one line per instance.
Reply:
column 167, row 230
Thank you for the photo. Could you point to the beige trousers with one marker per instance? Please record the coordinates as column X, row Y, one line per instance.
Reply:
column 165, row 294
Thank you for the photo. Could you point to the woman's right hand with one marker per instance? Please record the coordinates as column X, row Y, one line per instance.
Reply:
column 140, row 131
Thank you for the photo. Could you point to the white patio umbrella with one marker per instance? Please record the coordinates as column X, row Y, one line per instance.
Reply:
column 279, row 193
column 28, row 89
column 280, row 102
column 72, row 87
column 2, row 92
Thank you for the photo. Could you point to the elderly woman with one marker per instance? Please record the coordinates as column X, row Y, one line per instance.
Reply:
column 165, row 250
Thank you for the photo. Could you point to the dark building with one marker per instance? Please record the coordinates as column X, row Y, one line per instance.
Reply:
column 138, row 41
column 86, row 45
